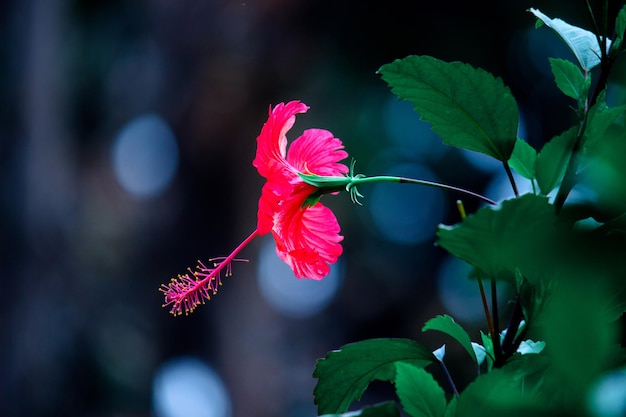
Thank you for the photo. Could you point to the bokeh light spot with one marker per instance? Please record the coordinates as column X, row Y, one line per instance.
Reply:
column 405, row 129
column 293, row 297
column 406, row 213
column 187, row 387
column 607, row 397
column 145, row 156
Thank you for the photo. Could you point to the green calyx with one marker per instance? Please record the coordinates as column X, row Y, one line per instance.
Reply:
column 329, row 185
column 332, row 184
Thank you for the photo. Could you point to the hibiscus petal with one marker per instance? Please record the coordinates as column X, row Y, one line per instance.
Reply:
column 307, row 239
column 272, row 141
column 270, row 197
column 317, row 151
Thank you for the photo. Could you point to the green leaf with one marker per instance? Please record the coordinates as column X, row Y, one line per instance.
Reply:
column 552, row 160
column 447, row 325
column 523, row 159
column 616, row 225
column 502, row 392
column 580, row 334
column 600, row 119
column 488, row 346
column 569, row 78
column 524, row 369
column 419, row 393
column 603, row 164
column 385, row 409
column 466, row 106
column 345, row 374
column 451, row 409
column 582, row 43
column 498, row 239
column 620, row 27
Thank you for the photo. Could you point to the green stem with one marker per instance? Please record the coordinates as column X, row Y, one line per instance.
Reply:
column 402, row 180
column 481, row 288
column 508, row 344
column 495, row 336
column 570, row 177
column 511, row 341
column 449, row 378
column 509, row 174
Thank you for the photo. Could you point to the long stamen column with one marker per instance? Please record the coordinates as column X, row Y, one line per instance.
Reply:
column 187, row 291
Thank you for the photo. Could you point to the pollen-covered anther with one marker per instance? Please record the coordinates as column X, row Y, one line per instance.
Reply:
column 228, row 271
column 189, row 290
column 210, row 275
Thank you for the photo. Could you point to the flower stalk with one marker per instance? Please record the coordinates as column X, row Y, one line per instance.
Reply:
column 350, row 182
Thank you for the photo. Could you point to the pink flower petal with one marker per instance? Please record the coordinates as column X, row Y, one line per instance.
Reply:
column 307, row 240
column 317, row 151
column 272, row 141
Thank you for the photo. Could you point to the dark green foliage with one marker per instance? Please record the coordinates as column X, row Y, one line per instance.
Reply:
column 552, row 160
column 345, row 373
column 447, row 325
column 565, row 259
column 468, row 107
column 523, row 159
column 419, row 393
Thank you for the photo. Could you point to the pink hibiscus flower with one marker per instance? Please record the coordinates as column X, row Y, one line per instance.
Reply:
column 306, row 239
column 307, row 236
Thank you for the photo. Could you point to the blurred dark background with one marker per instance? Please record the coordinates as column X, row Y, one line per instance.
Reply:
column 127, row 131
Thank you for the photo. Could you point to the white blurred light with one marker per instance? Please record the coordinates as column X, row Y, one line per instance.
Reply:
column 187, row 387
column 145, row 156
column 406, row 213
column 293, row 297
column 607, row 397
